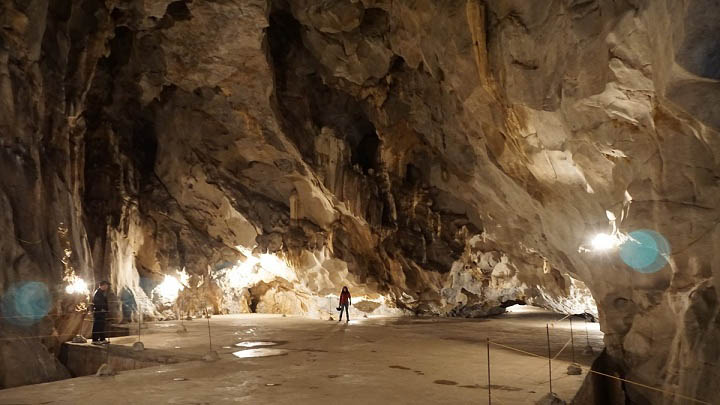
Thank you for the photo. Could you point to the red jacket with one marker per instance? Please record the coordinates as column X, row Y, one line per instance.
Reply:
column 344, row 298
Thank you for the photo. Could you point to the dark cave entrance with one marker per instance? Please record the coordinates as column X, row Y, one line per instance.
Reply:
column 283, row 41
column 413, row 175
column 365, row 154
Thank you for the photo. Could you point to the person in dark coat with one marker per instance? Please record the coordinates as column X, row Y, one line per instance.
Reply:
column 345, row 302
column 100, row 311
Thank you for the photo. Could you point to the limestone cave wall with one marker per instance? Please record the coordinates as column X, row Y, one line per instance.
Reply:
column 437, row 157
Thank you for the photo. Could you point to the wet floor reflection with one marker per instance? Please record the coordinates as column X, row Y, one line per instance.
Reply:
column 255, row 344
column 250, row 353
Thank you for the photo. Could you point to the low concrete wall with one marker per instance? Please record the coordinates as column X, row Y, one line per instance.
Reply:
column 83, row 359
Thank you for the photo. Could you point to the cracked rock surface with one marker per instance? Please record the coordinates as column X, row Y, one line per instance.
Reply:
column 440, row 158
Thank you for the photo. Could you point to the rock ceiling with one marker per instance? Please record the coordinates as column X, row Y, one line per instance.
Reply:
column 438, row 157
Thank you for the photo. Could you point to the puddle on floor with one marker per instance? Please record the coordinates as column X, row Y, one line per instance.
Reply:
column 255, row 344
column 445, row 382
column 168, row 325
column 400, row 367
column 503, row 387
column 428, row 321
column 494, row 387
column 250, row 353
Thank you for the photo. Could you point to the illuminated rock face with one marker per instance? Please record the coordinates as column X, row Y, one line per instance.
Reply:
column 436, row 157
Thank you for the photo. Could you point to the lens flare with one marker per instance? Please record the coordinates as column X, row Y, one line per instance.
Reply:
column 27, row 303
column 603, row 241
column 76, row 285
column 170, row 288
column 646, row 251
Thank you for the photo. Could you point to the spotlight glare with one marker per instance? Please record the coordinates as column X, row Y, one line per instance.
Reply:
column 76, row 285
column 169, row 289
column 603, row 241
column 265, row 267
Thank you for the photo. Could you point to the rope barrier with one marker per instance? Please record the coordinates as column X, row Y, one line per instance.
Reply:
column 561, row 350
column 517, row 350
column 671, row 393
column 564, row 318
column 651, row 388
column 87, row 317
column 38, row 336
column 130, row 330
column 536, row 385
column 47, row 336
column 42, row 317
column 39, row 318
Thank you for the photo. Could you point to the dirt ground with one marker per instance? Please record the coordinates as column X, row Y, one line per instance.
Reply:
column 369, row 361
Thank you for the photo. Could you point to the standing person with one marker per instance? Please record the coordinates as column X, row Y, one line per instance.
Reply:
column 100, row 311
column 345, row 302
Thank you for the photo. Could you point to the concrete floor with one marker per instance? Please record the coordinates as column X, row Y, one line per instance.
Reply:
column 375, row 361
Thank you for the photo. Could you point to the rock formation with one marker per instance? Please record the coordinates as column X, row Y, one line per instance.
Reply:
column 439, row 158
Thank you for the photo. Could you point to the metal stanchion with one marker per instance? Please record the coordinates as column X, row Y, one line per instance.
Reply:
column 488, row 367
column 547, row 329
column 139, row 346
column 588, row 349
column 572, row 341
column 209, row 334
column 106, row 369
column 182, row 329
column 574, row 368
column 211, row 354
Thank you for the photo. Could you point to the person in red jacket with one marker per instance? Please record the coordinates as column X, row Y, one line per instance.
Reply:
column 345, row 302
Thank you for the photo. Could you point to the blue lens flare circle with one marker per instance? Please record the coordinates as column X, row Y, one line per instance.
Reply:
column 645, row 251
column 26, row 304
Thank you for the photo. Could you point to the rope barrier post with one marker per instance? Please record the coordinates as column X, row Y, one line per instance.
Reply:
column 180, row 308
column 209, row 335
column 488, row 366
column 572, row 341
column 211, row 355
column 547, row 329
column 139, row 346
column 179, row 305
column 573, row 368
column 588, row 351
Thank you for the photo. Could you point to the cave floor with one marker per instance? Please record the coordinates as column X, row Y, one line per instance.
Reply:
column 374, row 360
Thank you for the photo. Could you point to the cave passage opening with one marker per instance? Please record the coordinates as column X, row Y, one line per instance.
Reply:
column 365, row 154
